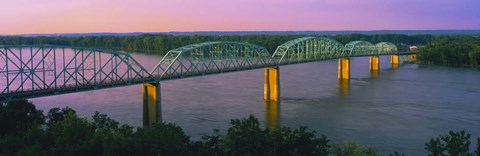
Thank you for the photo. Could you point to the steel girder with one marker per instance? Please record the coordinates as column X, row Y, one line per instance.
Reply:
column 386, row 48
column 34, row 71
column 210, row 58
column 359, row 48
column 307, row 49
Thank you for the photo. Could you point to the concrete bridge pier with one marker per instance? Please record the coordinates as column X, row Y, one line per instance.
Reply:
column 394, row 60
column 413, row 57
column 152, row 104
column 374, row 63
column 344, row 68
column 272, row 84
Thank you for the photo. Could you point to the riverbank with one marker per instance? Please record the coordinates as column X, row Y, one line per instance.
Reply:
column 459, row 51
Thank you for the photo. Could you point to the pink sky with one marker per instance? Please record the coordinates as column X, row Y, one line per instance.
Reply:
column 80, row 16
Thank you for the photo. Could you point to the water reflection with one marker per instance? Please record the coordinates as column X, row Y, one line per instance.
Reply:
column 394, row 65
column 272, row 114
column 374, row 73
column 344, row 86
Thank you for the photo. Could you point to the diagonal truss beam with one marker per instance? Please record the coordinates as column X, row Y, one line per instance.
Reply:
column 210, row 58
column 43, row 70
column 33, row 71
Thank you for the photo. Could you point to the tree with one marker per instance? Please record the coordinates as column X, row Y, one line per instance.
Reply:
column 454, row 143
column 352, row 148
column 56, row 114
column 161, row 139
column 17, row 117
column 245, row 137
column 71, row 136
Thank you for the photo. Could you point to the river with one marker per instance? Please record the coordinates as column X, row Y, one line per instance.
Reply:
column 392, row 110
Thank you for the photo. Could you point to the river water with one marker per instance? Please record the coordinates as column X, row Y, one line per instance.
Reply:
column 392, row 110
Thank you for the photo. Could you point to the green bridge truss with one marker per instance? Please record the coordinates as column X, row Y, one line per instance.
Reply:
column 310, row 49
column 307, row 49
column 35, row 71
column 210, row 58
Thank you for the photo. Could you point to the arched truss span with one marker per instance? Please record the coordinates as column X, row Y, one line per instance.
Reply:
column 359, row 48
column 307, row 49
column 209, row 58
column 386, row 48
column 42, row 70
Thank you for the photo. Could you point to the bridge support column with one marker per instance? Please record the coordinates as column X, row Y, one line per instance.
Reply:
column 374, row 63
column 272, row 84
column 152, row 107
column 413, row 57
column 394, row 59
column 344, row 68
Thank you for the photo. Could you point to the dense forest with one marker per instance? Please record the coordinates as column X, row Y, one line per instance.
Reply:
column 452, row 50
column 462, row 50
column 27, row 131
column 163, row 43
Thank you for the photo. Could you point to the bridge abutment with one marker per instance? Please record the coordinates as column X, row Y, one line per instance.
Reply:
column 152, row 106
column 374, row 63
column 272, row 84
column 344, row 68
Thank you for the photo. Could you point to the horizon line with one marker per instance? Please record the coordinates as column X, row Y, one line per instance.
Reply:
column 231, row 31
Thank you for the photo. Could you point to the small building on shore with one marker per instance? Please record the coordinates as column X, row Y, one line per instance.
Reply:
column 413, row 48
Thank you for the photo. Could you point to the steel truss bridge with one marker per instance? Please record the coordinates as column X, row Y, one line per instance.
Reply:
column 44, row 70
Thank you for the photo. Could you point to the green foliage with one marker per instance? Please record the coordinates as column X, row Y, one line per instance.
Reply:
column 454, row 143
column 212, row 144
column 352, row 148
column 474, row 56
column 477, row 151
column 245, row 137
column 71, row 135
column 452, row 50
column 17, row 117
column 163, row 43
column 435, row 147
column 114, row 141
column 161, row 139
column 67, row 134
column 103, row 122
column 64, row 133
column 56, row 114
column 457, row 143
